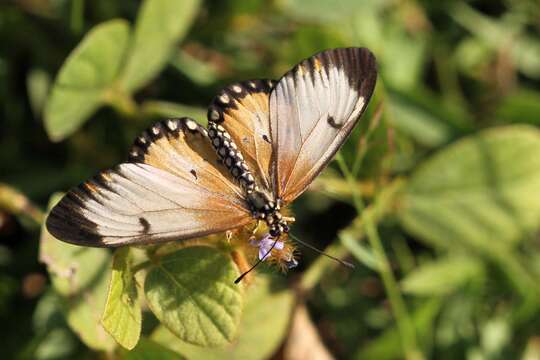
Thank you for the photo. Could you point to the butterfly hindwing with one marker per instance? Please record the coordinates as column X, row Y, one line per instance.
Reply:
column 172, row 189
column 313, row 109
column 242, row 109
column 182, row 147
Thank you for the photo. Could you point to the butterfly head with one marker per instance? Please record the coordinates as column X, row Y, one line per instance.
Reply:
column 265, row 208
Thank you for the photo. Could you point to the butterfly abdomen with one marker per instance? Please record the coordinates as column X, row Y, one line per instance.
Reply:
column 230, row 156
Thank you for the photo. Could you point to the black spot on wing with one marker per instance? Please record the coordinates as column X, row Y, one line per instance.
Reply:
column 194, row 173
column 145, row 224
column 265, row 138
column 332, row 122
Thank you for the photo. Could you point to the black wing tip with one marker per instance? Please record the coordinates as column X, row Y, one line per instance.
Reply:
column 228, row 97
column 365, row 55
column 359, row 63
column 167, row 127
column 65, row 222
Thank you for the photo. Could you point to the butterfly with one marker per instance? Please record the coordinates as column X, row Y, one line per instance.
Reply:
column 264, row 144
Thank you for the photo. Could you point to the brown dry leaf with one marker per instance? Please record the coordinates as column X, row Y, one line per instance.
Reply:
column 303, row 341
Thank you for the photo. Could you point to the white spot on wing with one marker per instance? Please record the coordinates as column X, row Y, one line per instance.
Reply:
column 224, row 99
column 172, row 125
column 191, row 125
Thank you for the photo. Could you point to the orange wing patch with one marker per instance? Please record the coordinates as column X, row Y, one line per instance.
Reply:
column 181, row 147
column 243, row 110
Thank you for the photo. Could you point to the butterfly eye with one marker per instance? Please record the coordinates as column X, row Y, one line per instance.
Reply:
column 274, row 231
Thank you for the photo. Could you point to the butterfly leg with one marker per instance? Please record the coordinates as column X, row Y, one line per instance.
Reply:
column 289, row 219
column 255, row 229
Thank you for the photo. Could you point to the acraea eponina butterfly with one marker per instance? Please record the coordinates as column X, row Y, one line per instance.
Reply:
column 265, row 142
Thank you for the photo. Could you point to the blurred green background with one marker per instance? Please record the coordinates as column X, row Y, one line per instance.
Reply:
column 436, row 196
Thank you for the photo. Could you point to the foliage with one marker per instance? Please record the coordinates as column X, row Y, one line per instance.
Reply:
column 436, row 195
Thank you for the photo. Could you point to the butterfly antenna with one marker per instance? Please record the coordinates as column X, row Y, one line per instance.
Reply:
column 260, row 260
column 342, row 262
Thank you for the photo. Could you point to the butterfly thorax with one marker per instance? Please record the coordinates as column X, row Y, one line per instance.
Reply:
column 262, row 205
column 264, row 208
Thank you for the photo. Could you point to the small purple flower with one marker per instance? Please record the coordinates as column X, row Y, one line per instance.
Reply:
column 265, row 246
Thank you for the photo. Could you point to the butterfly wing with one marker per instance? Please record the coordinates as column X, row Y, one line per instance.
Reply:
column 173, row 188
column 313, row 109
column 242, row 109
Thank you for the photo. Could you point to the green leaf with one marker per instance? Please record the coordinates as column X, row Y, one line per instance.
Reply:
column 72, row 268
column 264, row 324
column 83, row 314
column 388, row 345
column 442, row 276
column 38, row 83
column 192, row 292
column 57, row 343
column 87, row 73
column 122, row 315
column 407, row 72
column 523, row 106
column 322, row 11
column 483, row 191
column 80, row 276
column 150, row 350
column 420, row 119
column 501, row 34
column 160, row 25
column 496, row 335
column 198, row 71
column 47, row 314
column 54, row 340
column 360, row 251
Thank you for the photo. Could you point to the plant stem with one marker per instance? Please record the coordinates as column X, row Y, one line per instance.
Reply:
column 404, row 324
column 77, row 16
column 368, row 217
column 357, row 199
column 363, row 147
column 15, row 202
column 122, row 102
column 142, row 265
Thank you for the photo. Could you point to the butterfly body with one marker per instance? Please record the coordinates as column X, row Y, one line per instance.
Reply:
column 262, row 203
column 265, row 142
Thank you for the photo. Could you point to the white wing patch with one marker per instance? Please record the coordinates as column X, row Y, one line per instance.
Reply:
column 313, row 109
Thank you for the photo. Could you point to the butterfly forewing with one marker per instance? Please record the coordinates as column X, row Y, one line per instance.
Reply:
column 313, row 109
column 172, row 189
column 242, row 109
